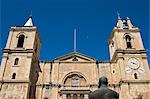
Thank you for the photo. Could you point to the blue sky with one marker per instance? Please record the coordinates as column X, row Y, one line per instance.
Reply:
column 56, row 20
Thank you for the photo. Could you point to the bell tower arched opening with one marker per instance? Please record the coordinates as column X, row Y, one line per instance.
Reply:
column 128, row 41
column 20, row 41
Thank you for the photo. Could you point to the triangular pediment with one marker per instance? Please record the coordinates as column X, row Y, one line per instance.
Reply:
column 75, row 57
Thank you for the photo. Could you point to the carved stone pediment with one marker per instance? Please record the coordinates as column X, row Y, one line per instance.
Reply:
column 74, row 57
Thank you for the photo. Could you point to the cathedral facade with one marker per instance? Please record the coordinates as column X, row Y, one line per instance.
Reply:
column 74, row 75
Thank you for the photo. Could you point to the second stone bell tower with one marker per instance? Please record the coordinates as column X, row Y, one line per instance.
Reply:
column 128, row 53
column 127, row 50
column 19, row 67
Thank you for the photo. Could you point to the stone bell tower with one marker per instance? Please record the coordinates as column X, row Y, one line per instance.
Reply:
column 128, row 53
column 19, row 67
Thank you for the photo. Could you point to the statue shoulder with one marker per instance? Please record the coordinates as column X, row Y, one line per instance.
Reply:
column 93, row 94
column 112, row 93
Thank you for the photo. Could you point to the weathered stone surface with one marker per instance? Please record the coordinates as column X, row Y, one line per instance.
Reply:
column 74, row 74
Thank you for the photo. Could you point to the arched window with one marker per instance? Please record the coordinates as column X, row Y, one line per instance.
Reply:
column 14, row 76
column 113, row 71
column 128, row 41
column 16, row 61
column 20, row 41
column 135, row 76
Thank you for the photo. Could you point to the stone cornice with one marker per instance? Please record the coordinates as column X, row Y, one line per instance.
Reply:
column 75, row 62
column 23, row 28
column 98, row 62
column 64, row 91
column 18, row 50
column 112, row 85
column 134, row 81
column 120, row 53
column 62, row 85
column 131, row 51
column 125, row 30
column 15, row 81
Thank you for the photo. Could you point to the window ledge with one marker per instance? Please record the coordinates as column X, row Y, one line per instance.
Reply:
column 130, row 48
column 20, row 48
column 15, row 66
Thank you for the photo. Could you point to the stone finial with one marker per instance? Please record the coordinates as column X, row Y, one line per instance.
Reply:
column 129, row 23
column 119, row 23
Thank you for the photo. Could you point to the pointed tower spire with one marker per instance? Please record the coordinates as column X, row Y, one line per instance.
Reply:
column 74, row 49
column 29, row 22
column 119, row 18
column 119, row 23
column 129, row 23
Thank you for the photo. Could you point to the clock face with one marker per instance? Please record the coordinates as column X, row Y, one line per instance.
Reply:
column 133, row 63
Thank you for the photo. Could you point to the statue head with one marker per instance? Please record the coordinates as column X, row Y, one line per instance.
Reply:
column 103, row 81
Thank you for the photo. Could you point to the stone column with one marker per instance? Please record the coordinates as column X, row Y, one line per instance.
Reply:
column 78, row 96
column 86, row 96
column 71, row 96
column 64, row 96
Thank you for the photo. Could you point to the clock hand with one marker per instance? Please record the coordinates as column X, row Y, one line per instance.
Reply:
column 134, row 63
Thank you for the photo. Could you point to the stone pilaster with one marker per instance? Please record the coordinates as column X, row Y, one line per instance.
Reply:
column 86, row 96
column 64, row 96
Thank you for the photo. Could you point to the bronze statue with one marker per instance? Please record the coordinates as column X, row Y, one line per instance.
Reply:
column 103, row 92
